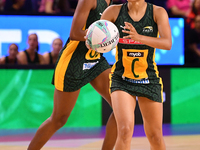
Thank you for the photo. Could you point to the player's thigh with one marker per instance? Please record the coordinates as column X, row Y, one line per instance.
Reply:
column 64, row 102
column 152, row 113
column 101, row 84
column 123, row 107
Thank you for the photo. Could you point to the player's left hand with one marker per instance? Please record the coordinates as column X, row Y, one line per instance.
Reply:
column 129, row 29
column 85, row 37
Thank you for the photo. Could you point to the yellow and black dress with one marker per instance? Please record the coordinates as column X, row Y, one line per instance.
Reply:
column 135, row 70
column 76, row 65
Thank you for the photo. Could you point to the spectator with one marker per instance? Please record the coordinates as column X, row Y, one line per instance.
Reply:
column 2, row 3
column 30, row 55
column 12, row 57
column 192, row 50
column 17, row 7
column 178, row 8
column 35, row 5
column 65, row 7
column 193, row 13
column 55, row 6
column 51, row 57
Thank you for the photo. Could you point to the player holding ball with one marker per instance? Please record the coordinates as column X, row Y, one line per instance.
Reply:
column 76, row 66
column 135, row 73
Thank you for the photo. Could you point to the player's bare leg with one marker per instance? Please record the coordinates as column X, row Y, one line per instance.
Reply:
column 101, row 85
column 63, row 105
column 152, row 113
column 124, row 106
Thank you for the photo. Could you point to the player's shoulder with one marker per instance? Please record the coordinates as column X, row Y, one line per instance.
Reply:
column 159, row 9
column 159, row 12
column 111, row 13
column 86, row 3
column 114, row 9
column 115, row 6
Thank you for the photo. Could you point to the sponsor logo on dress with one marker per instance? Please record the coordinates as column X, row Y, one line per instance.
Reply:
column 148, row 29
column 87, row 66
column 128, row 41
column 135, row 54
column 141, row 81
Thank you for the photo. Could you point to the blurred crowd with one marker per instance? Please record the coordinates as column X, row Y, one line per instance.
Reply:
column 187, row 9
column 65, row 7
column 30, row 55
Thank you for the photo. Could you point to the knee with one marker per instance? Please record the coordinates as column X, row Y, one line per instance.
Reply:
column 125, row 132
column 59, row 121
column 156, row 139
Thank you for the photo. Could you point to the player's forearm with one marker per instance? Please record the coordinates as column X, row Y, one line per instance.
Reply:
column 160, row 43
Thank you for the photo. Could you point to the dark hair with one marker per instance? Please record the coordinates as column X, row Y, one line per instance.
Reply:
column 34, row 34
column 37, row 48
column 14, row 44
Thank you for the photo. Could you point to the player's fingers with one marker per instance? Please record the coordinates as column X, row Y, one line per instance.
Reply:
column 87, row 45
column 128, row 24
column 126, row 31
column 85, row 33
column 127, row 27
column 126, row 37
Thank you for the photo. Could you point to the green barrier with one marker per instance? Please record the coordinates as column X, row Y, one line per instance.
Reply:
column 26, row 100
column 185, row 95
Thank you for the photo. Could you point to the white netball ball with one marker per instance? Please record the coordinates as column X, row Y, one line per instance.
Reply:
column 102, row 36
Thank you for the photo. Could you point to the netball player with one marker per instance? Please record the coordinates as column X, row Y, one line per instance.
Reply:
column 135, row 72
column 77, row 66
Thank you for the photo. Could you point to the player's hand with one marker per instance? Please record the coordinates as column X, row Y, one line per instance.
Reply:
column 87, row 45
column 130, row 30
column 86, row 42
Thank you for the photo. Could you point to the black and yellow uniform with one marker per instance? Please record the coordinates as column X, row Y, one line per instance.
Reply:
column 76, row 65
column 135, row 70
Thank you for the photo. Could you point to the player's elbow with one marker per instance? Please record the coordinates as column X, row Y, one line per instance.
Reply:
column 168, row 45
column 72, row 36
